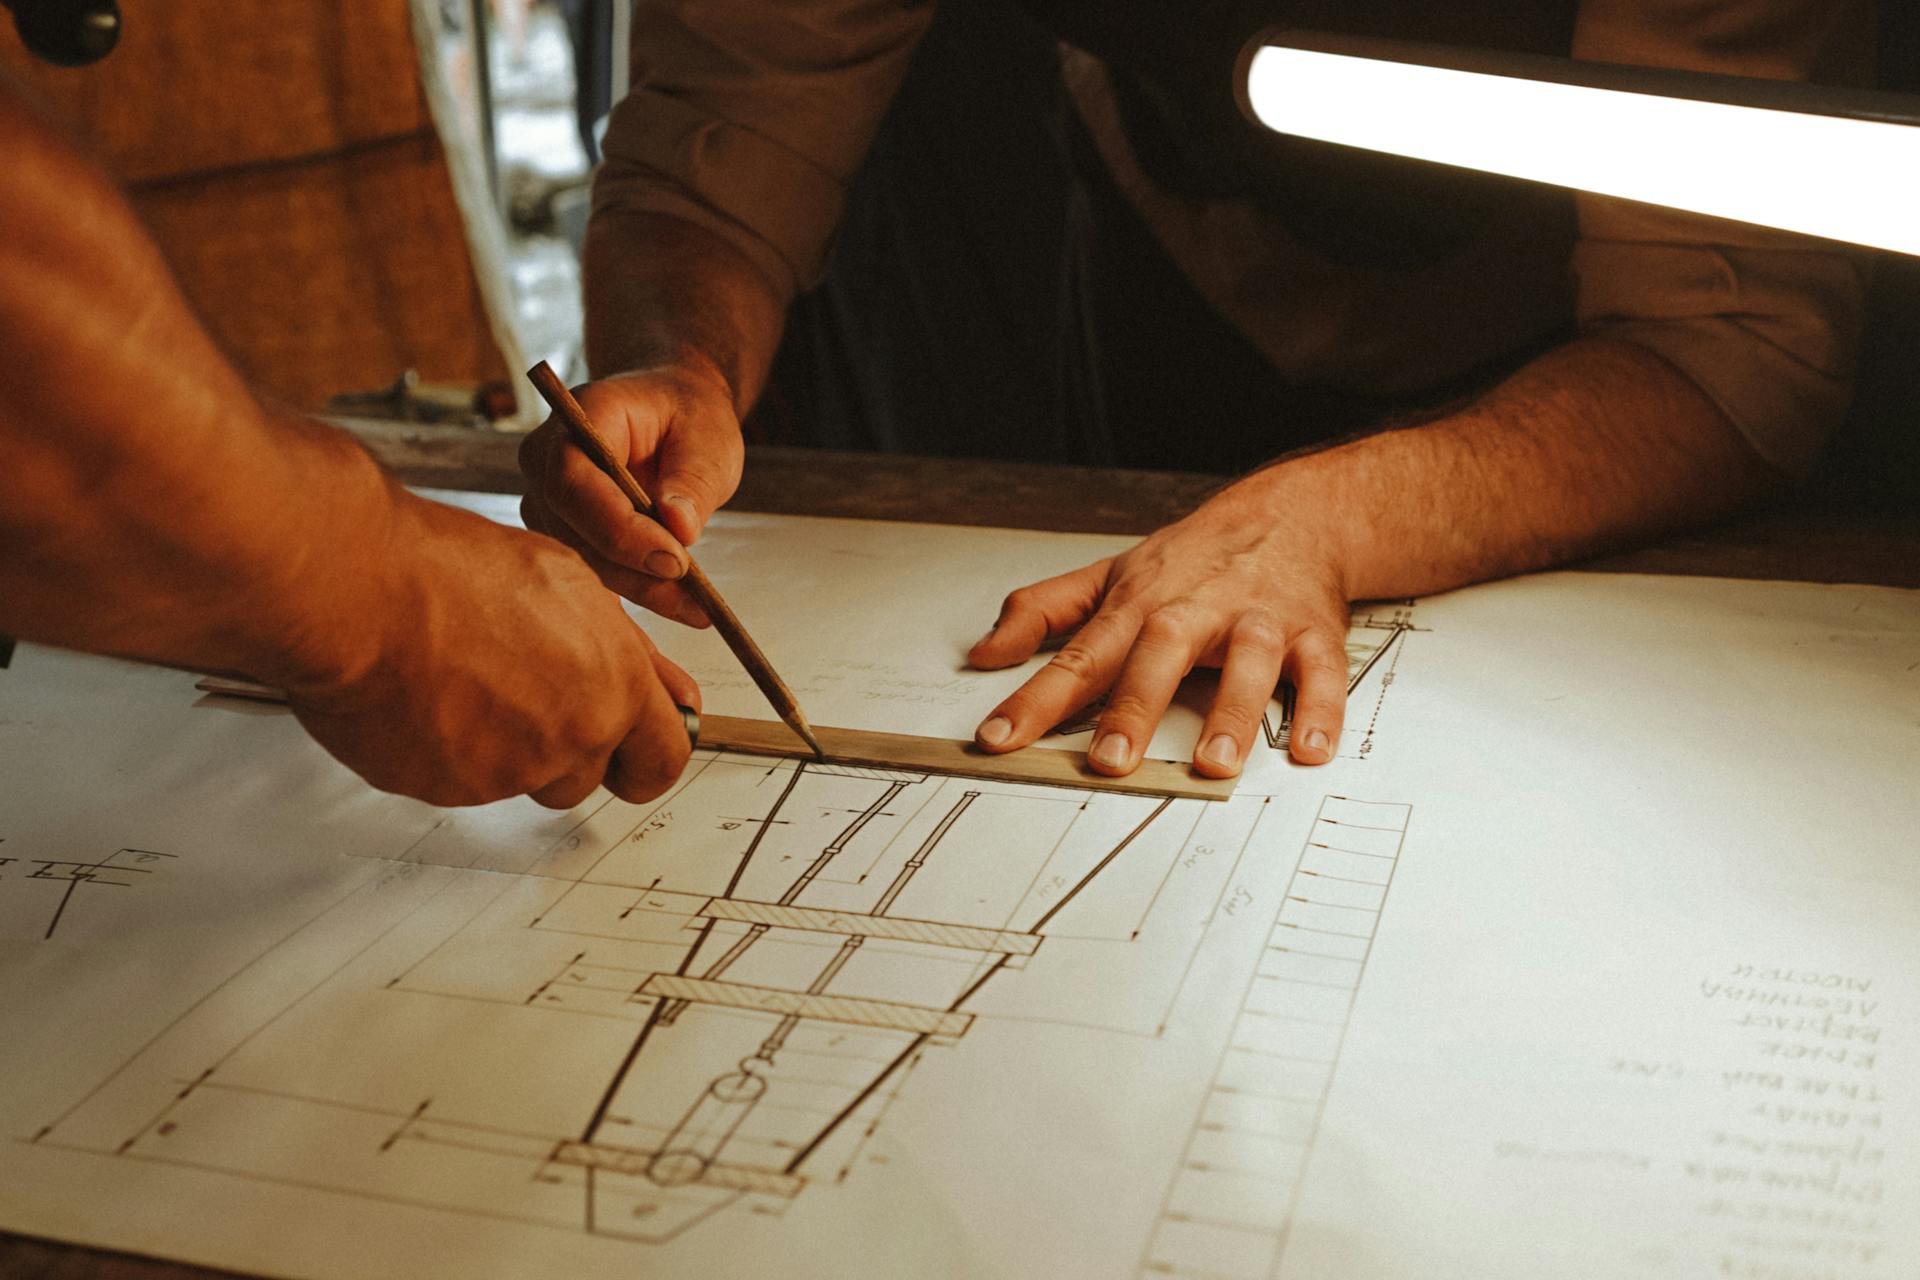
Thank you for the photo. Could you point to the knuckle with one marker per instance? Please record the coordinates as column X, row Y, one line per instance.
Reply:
column 1321, row 664
column 630, row 789
column 1112, row 624
column 1256, row 631
column 1120, row 597
column 1329, row 630
column 637, row 780
column 1076, row 661
column 1169, row 627
column 1233, row 717
column 1127, row 707
column 1022, row 600
column 1160, row 631
column 606, row 395
column 656, row 782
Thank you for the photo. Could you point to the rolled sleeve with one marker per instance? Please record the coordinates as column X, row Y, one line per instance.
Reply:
column 750, row 119
column 1766, row 323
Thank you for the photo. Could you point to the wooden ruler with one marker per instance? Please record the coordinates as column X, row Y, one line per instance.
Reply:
column 1043, row 765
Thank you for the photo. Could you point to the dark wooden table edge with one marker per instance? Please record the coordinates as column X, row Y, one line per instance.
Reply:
column 27, row 1257
column 1811, row 535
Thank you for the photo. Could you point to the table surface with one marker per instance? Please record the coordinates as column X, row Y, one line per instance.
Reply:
column 1807, row 538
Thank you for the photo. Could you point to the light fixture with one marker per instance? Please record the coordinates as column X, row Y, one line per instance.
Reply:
column 1836, row 163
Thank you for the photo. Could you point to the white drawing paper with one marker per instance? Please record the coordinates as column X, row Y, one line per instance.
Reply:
column 1594, row 952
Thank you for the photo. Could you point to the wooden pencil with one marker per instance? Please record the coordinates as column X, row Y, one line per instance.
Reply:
column 698, row 585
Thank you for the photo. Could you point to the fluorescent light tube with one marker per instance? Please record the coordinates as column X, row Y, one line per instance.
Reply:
column 1839, row 176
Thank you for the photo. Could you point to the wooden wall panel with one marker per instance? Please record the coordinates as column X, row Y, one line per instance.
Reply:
column 197, row 85
column 286, row 161
column 332, row 275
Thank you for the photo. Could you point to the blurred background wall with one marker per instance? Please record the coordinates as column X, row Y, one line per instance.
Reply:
column 287, row 158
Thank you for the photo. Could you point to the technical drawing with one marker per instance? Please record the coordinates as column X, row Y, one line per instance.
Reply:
column 1230, row 1201
column 33, row 889
column 719, row 1145
column 1233, row 1190
column 1374, row 642
column 670, row 1011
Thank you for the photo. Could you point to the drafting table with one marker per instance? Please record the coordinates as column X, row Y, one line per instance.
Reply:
column 1805, row 544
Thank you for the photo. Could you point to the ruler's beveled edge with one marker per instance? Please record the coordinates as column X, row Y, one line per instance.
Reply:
column 1042, row 766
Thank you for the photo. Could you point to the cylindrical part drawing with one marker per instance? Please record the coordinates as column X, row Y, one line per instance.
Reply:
column 696, row 1142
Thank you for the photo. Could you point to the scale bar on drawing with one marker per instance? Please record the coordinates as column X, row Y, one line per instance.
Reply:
column 1231, row 1198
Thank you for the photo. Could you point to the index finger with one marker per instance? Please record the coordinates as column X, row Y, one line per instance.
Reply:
column 1083, row 669
column 571, row 489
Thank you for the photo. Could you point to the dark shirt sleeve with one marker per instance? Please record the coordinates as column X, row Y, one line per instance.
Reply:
column 1766, row 323
column 749, row 119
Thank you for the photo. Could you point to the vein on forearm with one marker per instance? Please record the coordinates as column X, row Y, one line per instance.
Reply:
column 1592, row 445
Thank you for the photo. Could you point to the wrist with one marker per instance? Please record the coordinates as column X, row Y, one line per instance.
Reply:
column 317, row 614
column 691, row 372
column 1304, row 525
column 660, row 291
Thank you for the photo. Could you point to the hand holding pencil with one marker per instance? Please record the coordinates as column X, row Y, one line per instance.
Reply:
column 587, row 437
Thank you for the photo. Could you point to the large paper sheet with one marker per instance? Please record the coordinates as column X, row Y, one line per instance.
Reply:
column 1595, row 952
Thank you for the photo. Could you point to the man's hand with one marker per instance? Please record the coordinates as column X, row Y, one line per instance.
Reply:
column 1591, row 444
column 155, row 509
column 499, row 667
column 1232, row 586
column 679, row 435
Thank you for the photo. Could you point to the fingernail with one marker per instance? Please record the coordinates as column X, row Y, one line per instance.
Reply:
column 1111, row 750
column 995, row 731
column 663, row 564
column 1222, row 750
column 1316, row 741
column 983, row 639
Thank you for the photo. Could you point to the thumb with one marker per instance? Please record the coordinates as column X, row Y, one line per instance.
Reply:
column 699, row 468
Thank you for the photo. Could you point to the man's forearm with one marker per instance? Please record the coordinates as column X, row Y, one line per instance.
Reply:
column 662, row 291
column 151, row 506
column 1590, row 446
